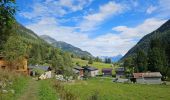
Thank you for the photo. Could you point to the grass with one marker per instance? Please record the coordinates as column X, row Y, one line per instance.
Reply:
column 46, row 90
column 105, row 89
column 18, row 84
column 98, row 65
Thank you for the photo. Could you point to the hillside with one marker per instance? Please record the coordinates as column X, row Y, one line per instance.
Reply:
column 162, row 33
column 27, row 43
column 66, row 47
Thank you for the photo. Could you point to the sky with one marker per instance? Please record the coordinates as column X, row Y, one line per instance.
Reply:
column 101, row 27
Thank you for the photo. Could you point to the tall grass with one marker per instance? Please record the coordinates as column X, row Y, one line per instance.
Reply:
column 64, row 94
column 105, row 89
column 46, row 90
column 11, row 81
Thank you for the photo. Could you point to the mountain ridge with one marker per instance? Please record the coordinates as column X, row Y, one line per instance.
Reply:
column 162, row 33
column 65, row 46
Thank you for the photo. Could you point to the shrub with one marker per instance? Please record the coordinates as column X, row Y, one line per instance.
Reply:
column 63, row 93
column 94, row 96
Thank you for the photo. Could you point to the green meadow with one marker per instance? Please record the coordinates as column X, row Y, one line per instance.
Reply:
column 98, row 65
column 105, row 89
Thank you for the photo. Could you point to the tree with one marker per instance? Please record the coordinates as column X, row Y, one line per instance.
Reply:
column 15, row 50
column 90, row 61
column 67, row 60
column 168, row 58
column 157, row 60
column 108, row 60
column 7, row 19
column 97, row 59
column 141, row 61
column 129, row 64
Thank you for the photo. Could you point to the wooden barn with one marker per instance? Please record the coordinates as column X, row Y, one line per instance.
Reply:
column 79, row 71
column 107, row 71
column 148, row 78
column 120, row 72
column 18, row 67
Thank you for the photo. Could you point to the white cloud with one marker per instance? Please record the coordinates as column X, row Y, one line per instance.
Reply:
column 146, row 27
column 150, row 9
column 55, row 8
column 50, row 26
column 105, row 11
column 164, row 8
column 109, row 44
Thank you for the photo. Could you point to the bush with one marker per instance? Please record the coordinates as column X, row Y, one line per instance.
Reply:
column 64, row 94
column 94, row 96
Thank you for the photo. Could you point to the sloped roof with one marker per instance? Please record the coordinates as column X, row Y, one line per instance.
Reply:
column 78, row 68
column 89, row 68
column 148, row 74
column 92, row 68
column 120, row 69
column 107, row 69
column 39, row 67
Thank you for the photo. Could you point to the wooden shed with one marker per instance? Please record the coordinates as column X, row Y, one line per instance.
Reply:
column 120, row 72
column 79, row 71
column 107, row 71
column 148, row 78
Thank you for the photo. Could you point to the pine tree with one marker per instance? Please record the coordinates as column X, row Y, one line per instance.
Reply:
column 129, row 64
column 157, row 58
column 7, row 12
column 90, row 61
column 141, row 61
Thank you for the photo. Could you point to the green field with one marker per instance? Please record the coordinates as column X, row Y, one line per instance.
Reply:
column 105, row 89
column 98, row 65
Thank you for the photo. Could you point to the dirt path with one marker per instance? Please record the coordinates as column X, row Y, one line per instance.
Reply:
column 31, row 93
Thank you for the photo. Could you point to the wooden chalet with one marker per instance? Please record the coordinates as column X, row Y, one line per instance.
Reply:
column 22, row 67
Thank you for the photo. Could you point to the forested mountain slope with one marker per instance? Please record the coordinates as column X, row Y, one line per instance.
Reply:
column 66, row 47
column 162, row 33
column 24, row 42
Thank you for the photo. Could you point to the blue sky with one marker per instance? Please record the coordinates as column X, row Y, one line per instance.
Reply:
column 101, row 27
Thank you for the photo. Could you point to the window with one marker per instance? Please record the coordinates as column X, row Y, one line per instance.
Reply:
column 3, row 67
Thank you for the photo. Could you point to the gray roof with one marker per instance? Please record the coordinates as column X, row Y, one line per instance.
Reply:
column 148, row 74
column 78, row 68
column 120, row 69
column 92, row 68
column 89, row 68
column 38, row 67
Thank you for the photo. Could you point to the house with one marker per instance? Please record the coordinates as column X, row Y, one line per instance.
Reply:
column 79, row 71
column 120, row 72
column 148, row 78
column 90, row 71
column 31, row 69
column 107, row 71
column 18, row 67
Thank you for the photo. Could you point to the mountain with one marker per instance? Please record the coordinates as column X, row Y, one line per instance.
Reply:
column 162, row 33
column 113, row 59
column 65, row 46
column 38, row 50
column 116, row 58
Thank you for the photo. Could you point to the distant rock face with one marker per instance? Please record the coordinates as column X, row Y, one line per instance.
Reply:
column 65, row 46
column 163, row 33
